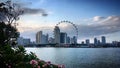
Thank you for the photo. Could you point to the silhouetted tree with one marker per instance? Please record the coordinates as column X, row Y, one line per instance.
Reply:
column 8, row 34
column 9, row 14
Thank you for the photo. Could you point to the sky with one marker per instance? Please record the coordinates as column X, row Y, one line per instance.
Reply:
column 93, row 18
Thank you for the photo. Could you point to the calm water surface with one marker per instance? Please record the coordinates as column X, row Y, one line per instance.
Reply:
column 80, row 57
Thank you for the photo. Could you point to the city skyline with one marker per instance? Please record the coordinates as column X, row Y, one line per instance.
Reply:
column 94, row 18
column 42, row 38
column 59, row 38
column 63, row 38
column 60, row 33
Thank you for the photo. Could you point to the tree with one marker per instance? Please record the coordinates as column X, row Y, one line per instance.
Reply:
column 8, row 34
column 9, row 14
column 15, row 57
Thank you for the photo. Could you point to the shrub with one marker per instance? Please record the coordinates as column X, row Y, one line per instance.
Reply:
column 16, row 57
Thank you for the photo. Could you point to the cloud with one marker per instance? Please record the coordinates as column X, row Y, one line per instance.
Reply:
column 99, row 26
column 108, row 25
column 34, row 11
column 26, row 7
column 30, row 30
column 98, row 18
column 33, row 28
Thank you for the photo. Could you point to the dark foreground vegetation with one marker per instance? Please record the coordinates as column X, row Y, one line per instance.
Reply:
column 11, row 55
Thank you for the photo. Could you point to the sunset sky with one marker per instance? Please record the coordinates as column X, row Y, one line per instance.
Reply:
column 93, row 18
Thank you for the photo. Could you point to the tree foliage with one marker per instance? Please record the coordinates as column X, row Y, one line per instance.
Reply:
column 8, row 34
column 9, row 14
column 15, row 57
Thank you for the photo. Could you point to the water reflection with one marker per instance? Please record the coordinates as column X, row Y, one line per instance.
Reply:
column 80, row 57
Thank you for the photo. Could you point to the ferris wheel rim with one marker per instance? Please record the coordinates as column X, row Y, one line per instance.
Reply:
column 65, row 21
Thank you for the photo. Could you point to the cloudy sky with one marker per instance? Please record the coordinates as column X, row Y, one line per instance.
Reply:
column 93, row 18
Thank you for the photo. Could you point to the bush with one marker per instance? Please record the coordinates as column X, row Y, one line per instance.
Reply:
column 16, row 57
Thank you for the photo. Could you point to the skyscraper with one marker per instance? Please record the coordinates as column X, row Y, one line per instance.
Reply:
column 75, row 39
column 68, row 40
column 23, row 41
column 71, row 41
column 44, row 39
column 57, row 35
column 87, row 41
column 47, row 38
column 103, row 39
column 63, row 38
column 51, row 40
column 95, row 41
column 98, row 42
column 39, row 37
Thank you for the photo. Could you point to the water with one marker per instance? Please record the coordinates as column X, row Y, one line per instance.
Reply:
column 80, row 57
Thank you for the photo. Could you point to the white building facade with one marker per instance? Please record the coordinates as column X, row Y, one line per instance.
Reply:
column 57, row 35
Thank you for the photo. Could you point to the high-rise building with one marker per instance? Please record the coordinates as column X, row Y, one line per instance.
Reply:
column 57, row 35
column 103, row 39
column 99, row 42
column 75, row 39
column 44, row 39
column 95, row 41
column 51, row 40
column 82, row 42
column 20, row 41
column 63, row 38
column 39, row 37
column 68, row 40
column 47, row 39
column 26, row 41
column 87, row 41
column 71, row 41
column 23, row 41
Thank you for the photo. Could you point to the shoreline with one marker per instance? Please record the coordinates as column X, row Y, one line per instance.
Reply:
column 72, row 47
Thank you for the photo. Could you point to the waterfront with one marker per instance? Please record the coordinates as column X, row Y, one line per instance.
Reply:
column 80, row 57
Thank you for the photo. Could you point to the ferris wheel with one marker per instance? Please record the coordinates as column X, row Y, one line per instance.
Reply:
column 69, row 22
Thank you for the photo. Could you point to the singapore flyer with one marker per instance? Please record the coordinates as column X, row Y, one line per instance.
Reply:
column 69, row 22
